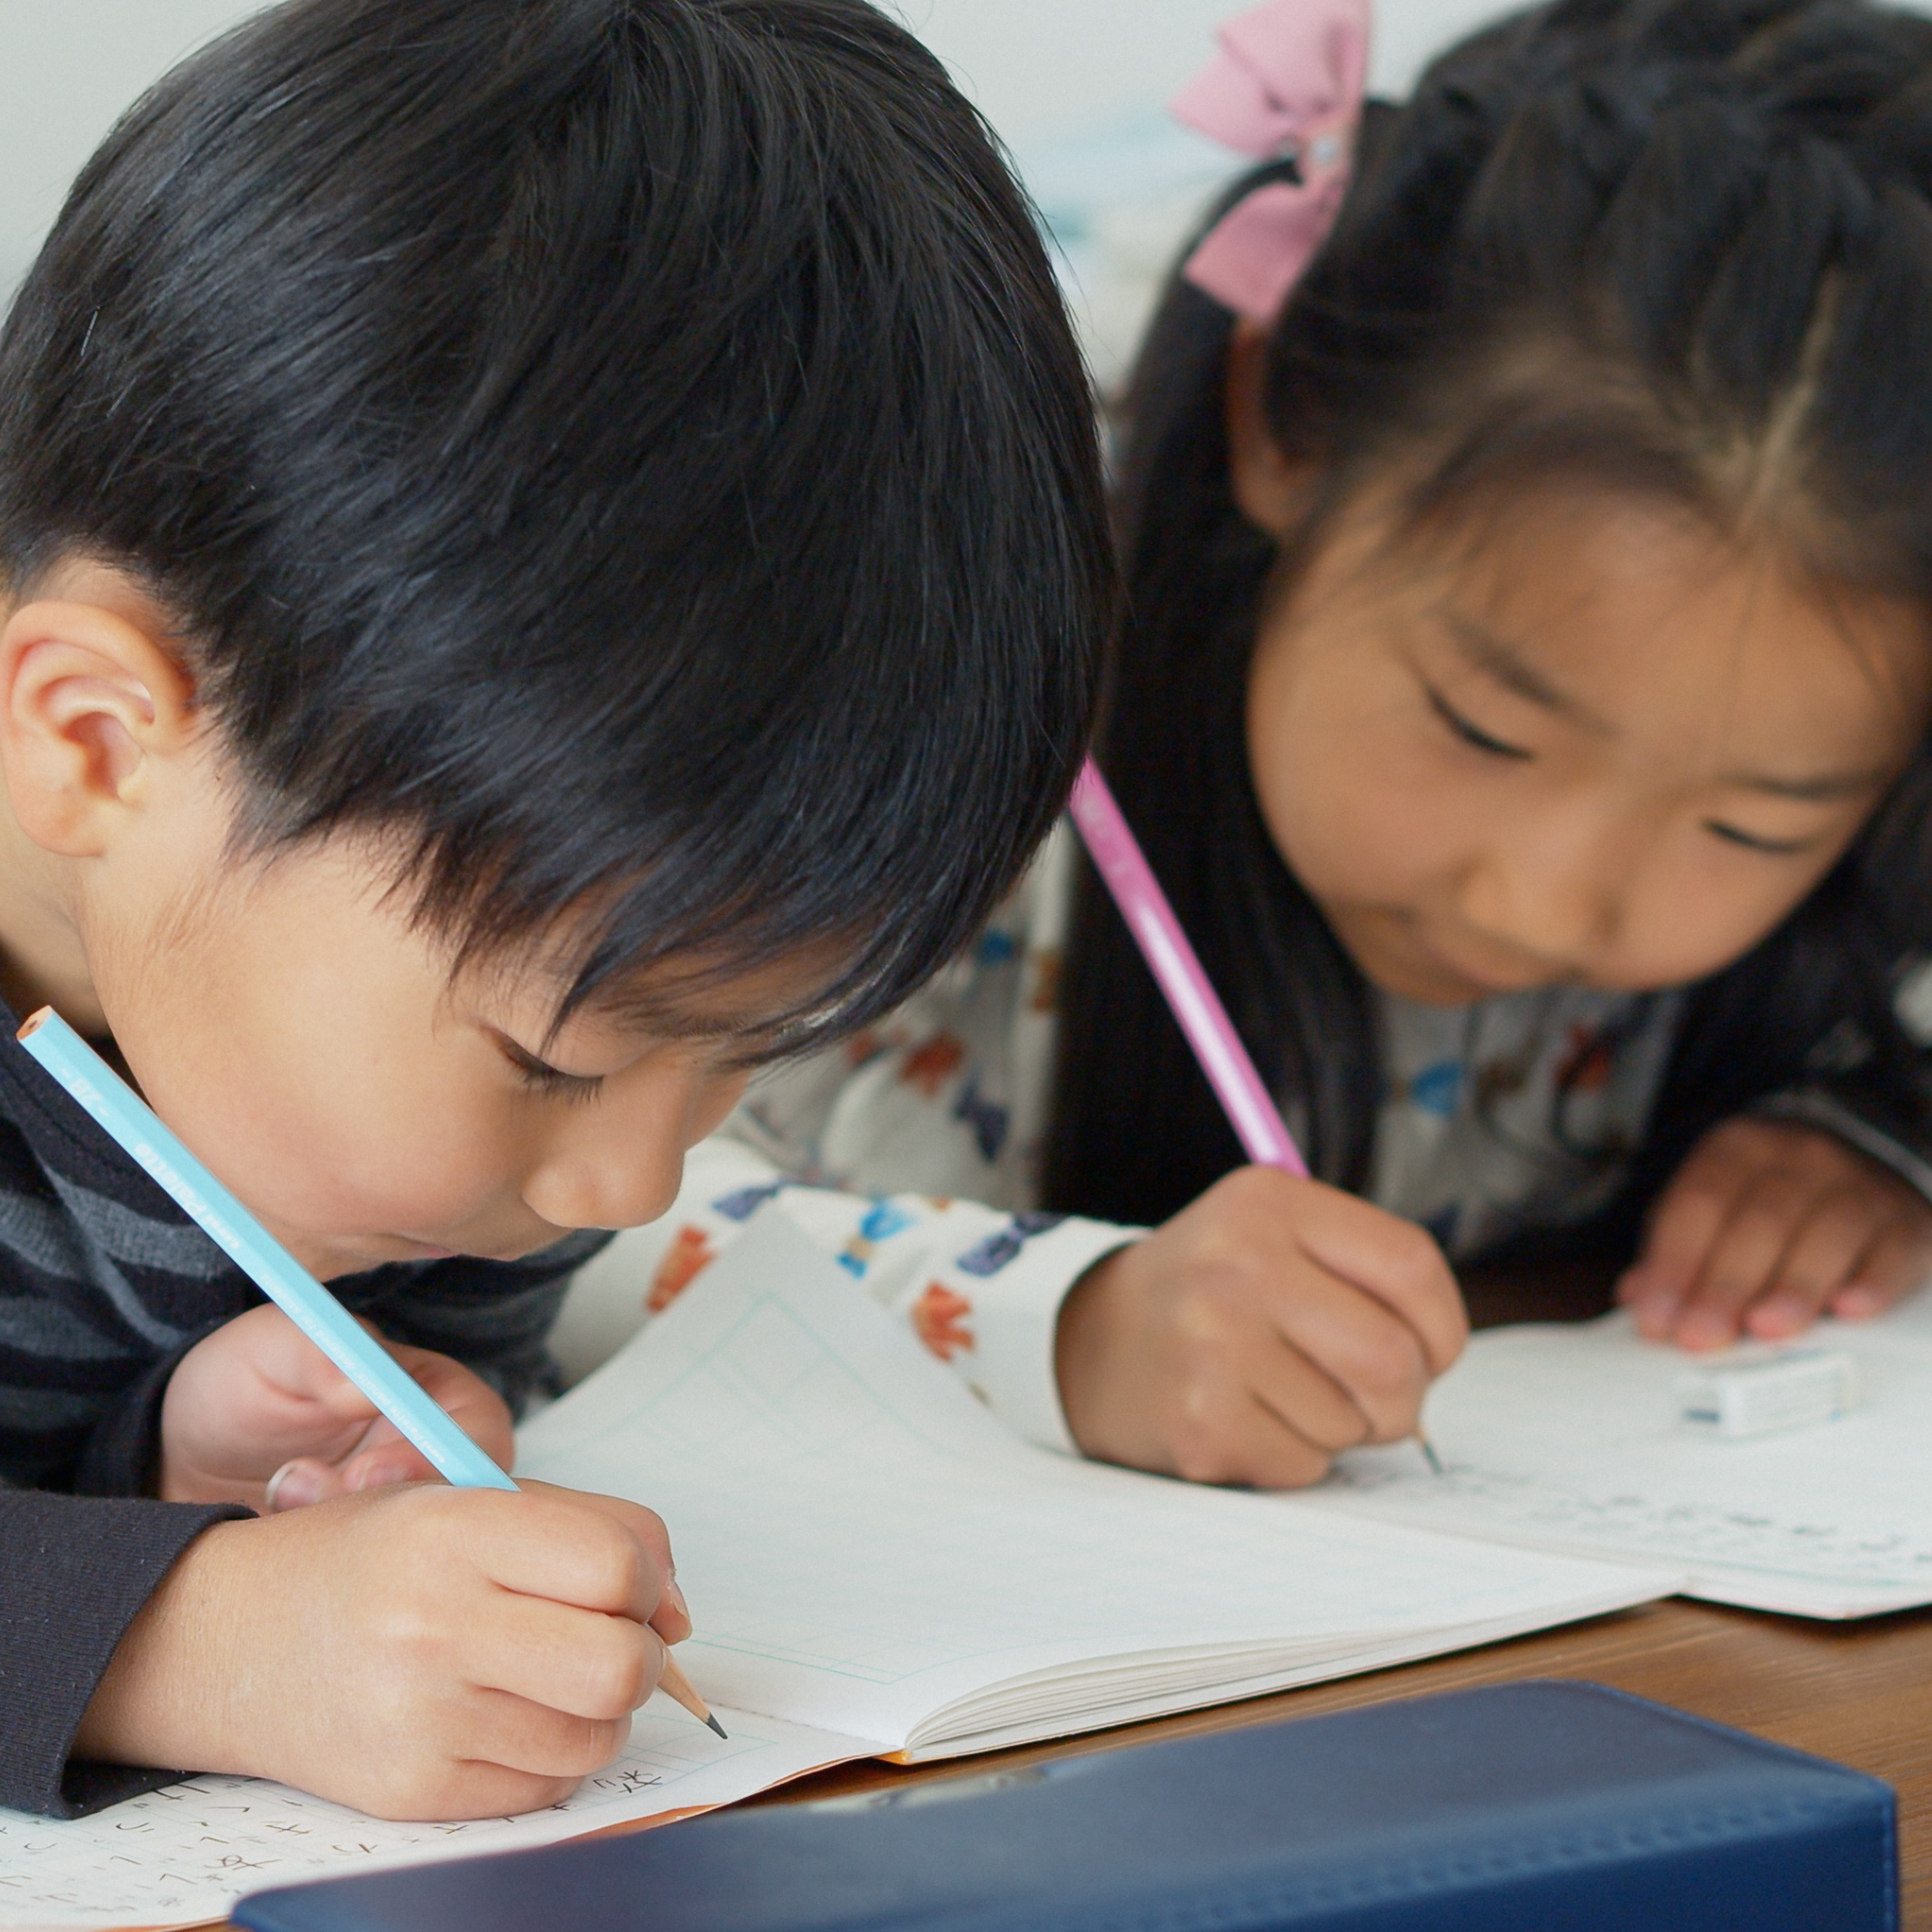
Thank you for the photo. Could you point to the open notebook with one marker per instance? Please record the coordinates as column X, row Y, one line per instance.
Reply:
column 876, row 1567
column 1574, row 1438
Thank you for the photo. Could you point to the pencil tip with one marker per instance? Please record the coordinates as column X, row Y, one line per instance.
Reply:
column 718, row 1727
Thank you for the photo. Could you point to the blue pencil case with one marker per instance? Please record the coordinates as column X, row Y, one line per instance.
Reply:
column 1522, row 1807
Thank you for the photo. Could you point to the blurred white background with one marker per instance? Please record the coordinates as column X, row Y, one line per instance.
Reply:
column 1075, row 87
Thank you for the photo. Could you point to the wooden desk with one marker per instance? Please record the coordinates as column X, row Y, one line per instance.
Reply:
column 1859, row 1692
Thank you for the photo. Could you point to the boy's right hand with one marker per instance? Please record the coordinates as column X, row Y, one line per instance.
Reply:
column 1268, row 1326
column 420, row 1653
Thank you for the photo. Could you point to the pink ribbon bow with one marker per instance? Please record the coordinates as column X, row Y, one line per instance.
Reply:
column 1288, row 80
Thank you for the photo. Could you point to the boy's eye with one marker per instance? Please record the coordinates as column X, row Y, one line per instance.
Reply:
column 1778, row 848
column 1470, row 733
column 544, row 1078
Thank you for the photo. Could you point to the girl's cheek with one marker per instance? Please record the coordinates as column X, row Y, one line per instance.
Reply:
column 1366, row 819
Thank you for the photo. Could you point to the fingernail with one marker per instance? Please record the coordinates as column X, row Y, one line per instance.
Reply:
column 1780, row 1315
column 293, row 1486
column 674, row 1597
column 1704, row 1331
column 1654, row 1314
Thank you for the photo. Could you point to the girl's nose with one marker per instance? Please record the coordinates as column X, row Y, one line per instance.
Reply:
column 1553, row 900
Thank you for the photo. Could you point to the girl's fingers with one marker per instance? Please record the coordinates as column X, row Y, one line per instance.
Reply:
column 1317, row 1411
column 1897, row 1262
column 1370, row 1359
column 1744, row 1260
column 1235, row 1437
column 1682, row 1239
column 1393, row 1262
column 1822, row 1257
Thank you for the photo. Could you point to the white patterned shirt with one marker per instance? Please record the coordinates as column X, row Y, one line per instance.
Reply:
column 912, row 1152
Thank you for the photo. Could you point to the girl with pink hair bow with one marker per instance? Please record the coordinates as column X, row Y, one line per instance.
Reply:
column 1525, row 498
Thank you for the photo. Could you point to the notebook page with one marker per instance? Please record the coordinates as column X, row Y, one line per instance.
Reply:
column 867, row 1550
column 1572, row 1437
column 183, row 1856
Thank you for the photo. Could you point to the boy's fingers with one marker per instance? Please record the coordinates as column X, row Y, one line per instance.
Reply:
column 527, row 1736
column 381, row 1455
column 311, row 1479
column 580, row 1663
column 385, row 1463
column 599, row 1553
column 297, row 1484
column 1268, row 1453
column 465, row 1395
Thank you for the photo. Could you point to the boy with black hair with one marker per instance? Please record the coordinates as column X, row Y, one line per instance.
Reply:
column 552, row 552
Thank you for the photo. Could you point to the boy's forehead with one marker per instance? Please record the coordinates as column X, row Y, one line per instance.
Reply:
column 691, row 998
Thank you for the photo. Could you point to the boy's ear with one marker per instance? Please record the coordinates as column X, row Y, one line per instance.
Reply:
column 1270, row 490
column 92, row 705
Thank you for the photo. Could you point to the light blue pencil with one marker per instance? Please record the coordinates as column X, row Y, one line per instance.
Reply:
column 267, row 1263
column 136, row 1126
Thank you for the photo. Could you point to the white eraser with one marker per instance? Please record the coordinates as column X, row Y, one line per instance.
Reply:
column 1783, row 1391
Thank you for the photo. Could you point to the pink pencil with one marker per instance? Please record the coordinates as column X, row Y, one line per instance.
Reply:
column 1250, row 1107
column 1176, row 968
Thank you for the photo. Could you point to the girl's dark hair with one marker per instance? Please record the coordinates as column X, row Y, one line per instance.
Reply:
column 628, row 453
column 1681, row 247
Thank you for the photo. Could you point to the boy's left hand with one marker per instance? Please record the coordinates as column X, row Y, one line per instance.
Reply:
column 256, row 1401
column 1768, row 1226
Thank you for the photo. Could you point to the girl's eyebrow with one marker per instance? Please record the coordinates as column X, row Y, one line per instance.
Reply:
column 1484, row 651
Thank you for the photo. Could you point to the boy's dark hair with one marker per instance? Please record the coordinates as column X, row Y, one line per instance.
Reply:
column 630, row 452
column 1680, row 247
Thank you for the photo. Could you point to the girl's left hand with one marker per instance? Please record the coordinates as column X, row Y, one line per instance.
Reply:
column 1768, row 1226
column 255, row 1413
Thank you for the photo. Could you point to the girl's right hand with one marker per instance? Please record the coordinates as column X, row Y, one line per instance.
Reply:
column 418, row 1652
column 1265, row 1328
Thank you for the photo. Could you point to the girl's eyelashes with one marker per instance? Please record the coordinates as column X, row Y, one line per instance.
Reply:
column 1471, row 733
column 1775, row 848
